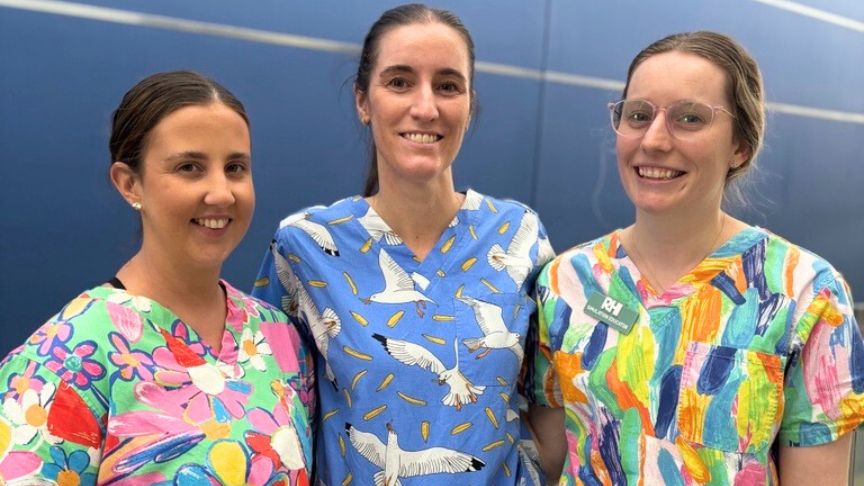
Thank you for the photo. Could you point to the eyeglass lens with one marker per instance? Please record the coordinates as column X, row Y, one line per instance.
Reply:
column 633, row 117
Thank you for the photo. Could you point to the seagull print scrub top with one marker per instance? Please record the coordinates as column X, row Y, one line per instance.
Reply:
column 418, row 359
column 756, row 346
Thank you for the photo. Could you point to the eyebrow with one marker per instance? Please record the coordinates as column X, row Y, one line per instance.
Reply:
column 201, row 156
column 403, row 68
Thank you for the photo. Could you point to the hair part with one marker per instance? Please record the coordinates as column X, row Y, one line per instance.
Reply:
column 408, row 14
column 154, row 98
column 744, row 87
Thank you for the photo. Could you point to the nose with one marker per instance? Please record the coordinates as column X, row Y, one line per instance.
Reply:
column 220, row 191
column 424, row 105
column 657, row 136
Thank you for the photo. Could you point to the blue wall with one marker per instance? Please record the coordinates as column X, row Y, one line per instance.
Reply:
column 63, row 228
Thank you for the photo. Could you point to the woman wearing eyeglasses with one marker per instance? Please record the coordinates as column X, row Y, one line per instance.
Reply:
column 691, row 347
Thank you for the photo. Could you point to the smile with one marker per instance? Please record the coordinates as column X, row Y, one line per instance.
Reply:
column 212, row 223
column 421, row 137
column 657, row 173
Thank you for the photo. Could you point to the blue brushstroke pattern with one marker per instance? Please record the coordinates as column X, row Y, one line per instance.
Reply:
column 609, row 450
column 741, row 325
column 785, row 341
column 719, row 429
column 715, row 370
column 668, row 401
column 668, row 469
column 767, row 310
column 595, row 346
column 586, row 472
column 752, row 261
column 724, row 283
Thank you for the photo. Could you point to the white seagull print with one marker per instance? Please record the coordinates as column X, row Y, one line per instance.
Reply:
column 398, row 286
column 461, row 390
column 496, row 334
column 323, row 325
column 377, row 228
column 316, row 231
column 397, row 462
column 517, row 258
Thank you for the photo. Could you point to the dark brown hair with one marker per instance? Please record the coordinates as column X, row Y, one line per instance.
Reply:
column 412, row 13
column 154, row 98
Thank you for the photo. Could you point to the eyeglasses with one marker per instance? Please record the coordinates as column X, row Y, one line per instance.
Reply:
column 684, row 119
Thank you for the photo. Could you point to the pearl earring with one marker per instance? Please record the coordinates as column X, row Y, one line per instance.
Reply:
column 136, row 206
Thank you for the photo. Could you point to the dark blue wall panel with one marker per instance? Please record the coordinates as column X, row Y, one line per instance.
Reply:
column 64, row 228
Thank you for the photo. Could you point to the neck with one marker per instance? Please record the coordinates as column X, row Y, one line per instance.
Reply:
column 418, row 213
column 193, row 294
column 666, row 247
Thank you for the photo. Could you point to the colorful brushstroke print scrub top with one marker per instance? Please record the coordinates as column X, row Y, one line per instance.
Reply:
column 756, row 345
column 418, row 359
column 115, row 388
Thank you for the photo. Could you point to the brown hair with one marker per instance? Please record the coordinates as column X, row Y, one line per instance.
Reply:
column 412, row 13
column 744, row 87
column 154, row 98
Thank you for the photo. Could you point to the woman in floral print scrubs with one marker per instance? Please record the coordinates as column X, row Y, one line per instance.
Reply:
column 690, row 347
column 166, row 374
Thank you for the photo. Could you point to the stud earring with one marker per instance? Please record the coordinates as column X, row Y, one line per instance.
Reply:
column 136, row 206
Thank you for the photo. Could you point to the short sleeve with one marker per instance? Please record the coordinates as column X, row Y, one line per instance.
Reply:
column 544, row 389
column 46, row 428
column 276, row 280
column 824, row 392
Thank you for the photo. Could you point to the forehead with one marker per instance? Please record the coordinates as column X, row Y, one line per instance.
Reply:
column 676, row 75
column 419, row 45
column 211, row 126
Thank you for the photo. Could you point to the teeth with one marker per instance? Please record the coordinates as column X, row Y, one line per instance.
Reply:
column 421, row 137
column 658, row 173
column 212, row 223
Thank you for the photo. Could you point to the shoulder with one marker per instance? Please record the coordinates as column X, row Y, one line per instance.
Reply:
column 237, row 299
column 805, row 270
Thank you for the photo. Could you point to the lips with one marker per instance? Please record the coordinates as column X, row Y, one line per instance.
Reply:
column 418, row 137
column 212, row 223
column 658, row 173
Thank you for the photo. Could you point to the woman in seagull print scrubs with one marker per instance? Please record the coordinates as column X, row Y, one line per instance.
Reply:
column 415, row 295
column 691, row 347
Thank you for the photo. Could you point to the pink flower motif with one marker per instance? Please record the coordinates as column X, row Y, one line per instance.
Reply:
column 76, row 366
column 15, row 464
column 237, row 316
column 126, row 320
column 51, row 333
column 130, row 363
column 19, row 383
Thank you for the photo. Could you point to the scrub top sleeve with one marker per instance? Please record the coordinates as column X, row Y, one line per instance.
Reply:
column 543, row 388
column 48, row 428
column 824, row 392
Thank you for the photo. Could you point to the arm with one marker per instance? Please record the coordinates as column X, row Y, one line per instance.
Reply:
column 547, row 428
column 822, row 464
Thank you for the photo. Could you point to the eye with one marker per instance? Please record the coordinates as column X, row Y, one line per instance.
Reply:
column 398, row 84
column 237, row 168
column 189, row 167
column 450, row 87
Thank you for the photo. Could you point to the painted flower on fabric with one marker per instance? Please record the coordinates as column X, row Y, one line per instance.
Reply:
column 275, row 438
column 69, row 470
column 29, row 416
column 76, row 366
column 229, row 464
column 19, row 383
column 14, row 464
column 253, row 348
column 120, row 296
column 130, row 363
column 214, row 389
column 52, row 333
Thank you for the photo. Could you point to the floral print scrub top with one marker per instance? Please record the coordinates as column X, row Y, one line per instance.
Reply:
column 417, row 362
column 116, row 389
column 755, row 346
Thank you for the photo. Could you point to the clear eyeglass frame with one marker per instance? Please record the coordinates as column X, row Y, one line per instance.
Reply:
column 684, row 119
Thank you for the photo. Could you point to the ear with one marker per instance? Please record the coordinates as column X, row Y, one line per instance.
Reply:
column 361, row 103
column 126, row 181
column 740, row 156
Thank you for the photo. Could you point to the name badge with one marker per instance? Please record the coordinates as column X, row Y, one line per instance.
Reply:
column 613, row 313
